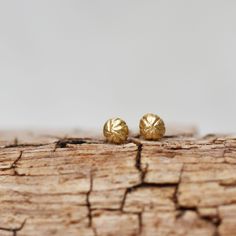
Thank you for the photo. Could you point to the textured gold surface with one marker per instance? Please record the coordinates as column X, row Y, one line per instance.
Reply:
column 152, row 127
column 116, row 131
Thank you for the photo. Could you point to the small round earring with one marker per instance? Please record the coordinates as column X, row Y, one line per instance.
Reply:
column 152, row 127
column 116, row 131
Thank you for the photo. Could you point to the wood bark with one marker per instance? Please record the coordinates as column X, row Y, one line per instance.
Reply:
column 77, row 184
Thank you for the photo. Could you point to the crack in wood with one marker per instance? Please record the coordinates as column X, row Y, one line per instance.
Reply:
column 88, row 204
column 14, row 230
column 215, row 221
column 138, row 163
column 140, row 222
column 14, row 164
column 62, row 143
column 175, row 195
column 24, row 145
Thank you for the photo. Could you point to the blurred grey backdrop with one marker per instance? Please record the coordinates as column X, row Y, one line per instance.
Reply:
column 77, row 63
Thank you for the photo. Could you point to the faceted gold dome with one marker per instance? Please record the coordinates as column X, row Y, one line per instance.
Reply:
column 116, row 131
column 152, row 127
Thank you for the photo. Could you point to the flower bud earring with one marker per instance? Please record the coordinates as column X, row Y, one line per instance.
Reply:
column 152, row 127
column 116, row 131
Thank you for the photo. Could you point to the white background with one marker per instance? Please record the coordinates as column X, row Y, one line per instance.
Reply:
column 77, row 63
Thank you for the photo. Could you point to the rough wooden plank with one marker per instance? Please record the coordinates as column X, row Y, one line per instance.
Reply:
column 68, row 184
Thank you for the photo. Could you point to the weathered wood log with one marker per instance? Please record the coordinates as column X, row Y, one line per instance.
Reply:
column 78, row 185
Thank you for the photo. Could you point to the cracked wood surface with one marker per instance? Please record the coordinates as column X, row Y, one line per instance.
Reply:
column 74, row 184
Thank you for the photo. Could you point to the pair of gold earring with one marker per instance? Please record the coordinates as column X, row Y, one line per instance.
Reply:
column 151, row 127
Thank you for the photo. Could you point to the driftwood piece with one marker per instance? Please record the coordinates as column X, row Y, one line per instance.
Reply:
column 57, row 185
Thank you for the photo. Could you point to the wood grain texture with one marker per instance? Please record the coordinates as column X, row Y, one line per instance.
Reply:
column 76, row 184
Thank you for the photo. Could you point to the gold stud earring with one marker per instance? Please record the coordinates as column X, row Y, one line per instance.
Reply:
column 152, row 127
column 116, row 131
